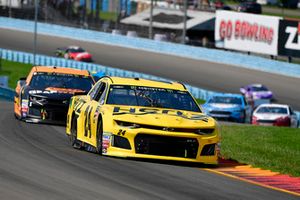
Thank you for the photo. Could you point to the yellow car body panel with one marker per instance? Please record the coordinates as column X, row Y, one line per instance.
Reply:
column 154, row 124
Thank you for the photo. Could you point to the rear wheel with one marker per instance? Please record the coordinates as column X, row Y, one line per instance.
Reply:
column 244, row 120
column 73, row 137
column 99, row 137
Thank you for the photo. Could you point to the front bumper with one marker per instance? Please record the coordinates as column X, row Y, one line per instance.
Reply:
column 236, row 116
column 48, row 114
column 153, row 144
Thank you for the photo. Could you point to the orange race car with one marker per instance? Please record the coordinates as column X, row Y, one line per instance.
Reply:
column 44, row 95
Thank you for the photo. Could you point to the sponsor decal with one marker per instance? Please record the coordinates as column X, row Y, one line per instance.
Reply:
column 246, row 32
column 24, row 107
column 121, row 132
column 42, row 92
column 87, row 123
column 96, row 114
column 52, row 90
column 78, row 104
column 64, row 90
column 145, row 111
column 44, row 114
column 106, row 138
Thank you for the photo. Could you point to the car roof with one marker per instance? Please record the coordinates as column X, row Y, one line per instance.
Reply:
column 256, row 85
column 144, row 82
column 74, row 47
column 60, row 70
column 274, row 105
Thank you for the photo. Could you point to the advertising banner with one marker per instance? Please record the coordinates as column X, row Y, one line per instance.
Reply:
column 289, row 41
column 246, row 32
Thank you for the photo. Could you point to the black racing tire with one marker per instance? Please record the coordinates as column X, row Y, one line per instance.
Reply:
column 17, row 117
column 73, row 136
column 243, row 121
column 99, row 136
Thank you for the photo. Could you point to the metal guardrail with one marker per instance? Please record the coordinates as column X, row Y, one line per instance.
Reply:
column 7, row 93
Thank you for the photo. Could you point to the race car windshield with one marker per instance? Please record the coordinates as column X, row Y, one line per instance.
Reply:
column 151, row 97
column 273, row 110
column 79, row 50
column 69, row 81
column 225, row 100
column 257, row 89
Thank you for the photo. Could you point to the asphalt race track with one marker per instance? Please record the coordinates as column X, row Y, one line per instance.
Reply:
column 36, row 162
column 211, row 76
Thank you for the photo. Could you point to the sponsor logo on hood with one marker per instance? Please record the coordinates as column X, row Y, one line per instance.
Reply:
column 64, row 90
column 146, row 111
column 53, row 90
column 224, row 105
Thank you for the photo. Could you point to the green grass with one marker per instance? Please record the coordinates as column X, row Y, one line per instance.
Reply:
column 274, row 148
column 112, row 16
column 14, row 71
column 281, row 15
column 107, row 16
column 200, row 101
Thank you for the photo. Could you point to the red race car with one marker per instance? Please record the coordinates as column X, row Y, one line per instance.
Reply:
column 74, row 53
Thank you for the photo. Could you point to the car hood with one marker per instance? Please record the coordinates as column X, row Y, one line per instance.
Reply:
column 55, row 93
column 262, row 94
column 222, row 106
column 162, row 117
column 81, row 55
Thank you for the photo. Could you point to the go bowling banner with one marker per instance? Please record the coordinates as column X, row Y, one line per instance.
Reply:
column 247, row 32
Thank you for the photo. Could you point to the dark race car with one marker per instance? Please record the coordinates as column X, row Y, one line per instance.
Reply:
column 250, row 7
column 74, row 53
column 44, row 95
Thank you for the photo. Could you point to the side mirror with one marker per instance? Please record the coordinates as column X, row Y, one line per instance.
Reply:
column 242, row 90
column 80, row 93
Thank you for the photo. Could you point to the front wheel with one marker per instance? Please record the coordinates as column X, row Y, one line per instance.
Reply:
column 73, row 137
column 99, row 137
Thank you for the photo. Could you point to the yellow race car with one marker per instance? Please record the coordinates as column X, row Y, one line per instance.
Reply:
column 138, row 118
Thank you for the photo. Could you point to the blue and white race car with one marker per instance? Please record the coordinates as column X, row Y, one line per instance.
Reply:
column 228, row 107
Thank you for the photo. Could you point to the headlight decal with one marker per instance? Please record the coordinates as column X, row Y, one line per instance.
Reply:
column 106, row 140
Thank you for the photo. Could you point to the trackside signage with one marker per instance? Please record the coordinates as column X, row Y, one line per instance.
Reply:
column 246, row 32
column 289, row 43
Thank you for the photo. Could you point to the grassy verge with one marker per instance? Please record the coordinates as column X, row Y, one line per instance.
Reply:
column 281, row 15
column 108, row 16
column 274, row 148
column 14, row 71
column 200, row 101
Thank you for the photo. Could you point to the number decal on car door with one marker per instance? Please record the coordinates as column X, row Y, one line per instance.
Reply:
column 87, row 123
